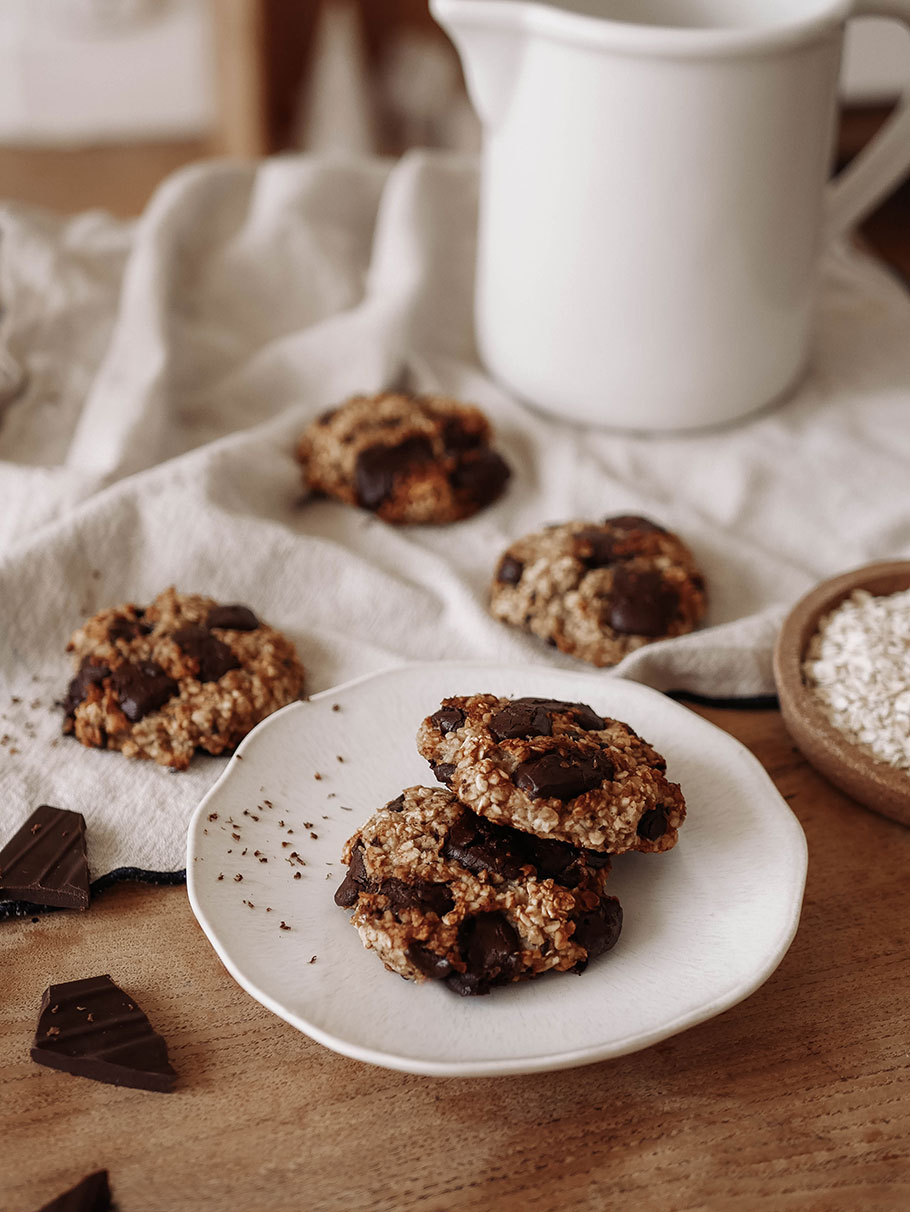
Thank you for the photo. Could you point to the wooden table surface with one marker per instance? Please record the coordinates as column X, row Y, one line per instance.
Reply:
column 799, row 1098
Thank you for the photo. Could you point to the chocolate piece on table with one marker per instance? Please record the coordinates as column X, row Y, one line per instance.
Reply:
column 44, row 863
column 91, row 1028
column 92, row 1194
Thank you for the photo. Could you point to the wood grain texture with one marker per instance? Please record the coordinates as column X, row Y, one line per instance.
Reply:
column 799, row 1098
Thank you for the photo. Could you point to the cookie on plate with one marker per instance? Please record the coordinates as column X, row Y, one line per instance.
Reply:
column 600, row 591
column 182, row 674
column 407, row 458
column 554, row 769
column 440, row 893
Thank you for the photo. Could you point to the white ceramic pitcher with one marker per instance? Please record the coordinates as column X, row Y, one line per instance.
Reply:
column 654, row 196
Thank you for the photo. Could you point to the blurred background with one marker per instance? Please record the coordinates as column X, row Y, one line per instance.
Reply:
column 100, row 99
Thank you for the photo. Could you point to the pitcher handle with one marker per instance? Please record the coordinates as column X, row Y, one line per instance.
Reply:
column 886, row 158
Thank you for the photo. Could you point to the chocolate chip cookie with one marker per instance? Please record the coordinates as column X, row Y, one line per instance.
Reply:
column 182, row 674
column 440, row 893
column 600, row 591
column 556, row 770
column 407, row 458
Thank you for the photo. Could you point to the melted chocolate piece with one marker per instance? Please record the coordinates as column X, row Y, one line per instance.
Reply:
column 141, row 687
column 632, row 521
column 378, row 467
column 92, row 1194
column 481, row 476
column 537, row 714
column 455, row 437
column 354, row 882
column 127, row 629
column 44, row 861
column 490, row 948
column 213, row 658
column 556, row 776
column 93, row 1029
column 443, row 772
column 421, row 894
column 509, row 571
column 598, row 930
column 480, row 845
column 88, row 675
column 521, row 718
column 325, row 417
column 653, row 824
column 232, row 618
column 641, row 602
column 596, row 548
column 436, row 967
column 447, row 719
column 395, row 805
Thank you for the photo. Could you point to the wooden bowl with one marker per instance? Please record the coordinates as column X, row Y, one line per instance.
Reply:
column 872, row 783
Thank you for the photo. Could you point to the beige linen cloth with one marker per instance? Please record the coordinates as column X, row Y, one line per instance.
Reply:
column 168, row 365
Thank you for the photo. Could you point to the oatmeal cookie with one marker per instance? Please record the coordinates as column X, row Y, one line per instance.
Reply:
column 407, row 458
column 554, row 769
column 600, row 591
column 181, row 674
column 440, row 893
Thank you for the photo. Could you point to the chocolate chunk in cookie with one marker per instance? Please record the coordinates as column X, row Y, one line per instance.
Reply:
column 158, row 683
column 599, row 592
column 557, row 771
column 408, row 458
column 442, row 894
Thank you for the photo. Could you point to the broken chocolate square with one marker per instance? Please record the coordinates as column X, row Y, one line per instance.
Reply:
column 91, row 1028
column 93, row 1194
column 44, row 862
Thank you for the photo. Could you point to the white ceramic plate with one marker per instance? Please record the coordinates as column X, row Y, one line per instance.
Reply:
column 704, row 925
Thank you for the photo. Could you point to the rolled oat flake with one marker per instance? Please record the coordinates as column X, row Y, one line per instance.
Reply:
column 858, row 668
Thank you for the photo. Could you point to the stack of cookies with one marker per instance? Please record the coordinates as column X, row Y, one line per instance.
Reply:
column 501, row 875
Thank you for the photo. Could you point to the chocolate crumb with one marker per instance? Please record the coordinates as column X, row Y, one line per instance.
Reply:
column 338, row 757
column 256, row 853
column 317, row 776
column 297, row 875
column 237, row 878
column 312, row 959
column 284, row 926
column 308, row 824
column 243, row 851
column 263, row 859
column 239, row 757
column 285, row 844
column 344, row 808
column 213, row 816
column 332, row 795
column 236, row 837
column 281, row 824
column 336, row 706
column 221, row 875
column 268, row 803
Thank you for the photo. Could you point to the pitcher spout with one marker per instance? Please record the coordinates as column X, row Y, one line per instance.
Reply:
column 489, row 37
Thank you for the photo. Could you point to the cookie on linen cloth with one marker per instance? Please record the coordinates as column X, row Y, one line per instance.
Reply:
column 407, row 458
column 439, row 893
column 179, row 675
column 554, row 769
column 600, row 591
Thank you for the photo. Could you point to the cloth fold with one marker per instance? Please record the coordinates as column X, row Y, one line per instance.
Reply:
column 169, row 365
